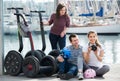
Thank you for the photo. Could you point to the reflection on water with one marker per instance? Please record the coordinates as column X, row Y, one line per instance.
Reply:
column 111, row 45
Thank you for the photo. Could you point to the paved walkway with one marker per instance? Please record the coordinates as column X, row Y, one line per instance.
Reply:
column 113, row 75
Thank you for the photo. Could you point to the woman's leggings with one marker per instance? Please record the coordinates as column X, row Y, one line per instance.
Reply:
column 101, row 71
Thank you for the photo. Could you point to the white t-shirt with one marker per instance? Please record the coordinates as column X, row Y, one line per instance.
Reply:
column 93, row 61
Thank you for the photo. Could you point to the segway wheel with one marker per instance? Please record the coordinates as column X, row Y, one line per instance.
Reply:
column 49, row 61
column 42, row 53
column 35, row 53
column 31, row 66
column 54, row 53
column 13, row 63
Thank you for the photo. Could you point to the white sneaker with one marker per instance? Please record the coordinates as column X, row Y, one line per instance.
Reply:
column 80, row 76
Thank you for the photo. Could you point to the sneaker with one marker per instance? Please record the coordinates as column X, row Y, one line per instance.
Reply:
column 60, row 75
column 66, row 76
column 80, row 76
column 99, row 76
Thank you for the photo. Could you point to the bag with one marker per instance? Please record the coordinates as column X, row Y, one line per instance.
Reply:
column 23, row 29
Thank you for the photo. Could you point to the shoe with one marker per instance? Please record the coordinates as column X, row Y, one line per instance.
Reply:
column 99, row 76
column 80, row 76
column 60, row 75
column 66, row 76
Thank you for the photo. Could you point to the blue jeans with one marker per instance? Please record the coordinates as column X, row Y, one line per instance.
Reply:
column 66, row 67
column 57, row 40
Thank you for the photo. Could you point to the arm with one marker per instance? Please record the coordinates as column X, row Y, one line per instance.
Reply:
column 65, row 27
column 100, row 56
column 46, row 22
column 63, row 32
column 86, row 55
column 50, row 21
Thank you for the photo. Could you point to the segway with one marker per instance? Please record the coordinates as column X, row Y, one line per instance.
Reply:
column 13, row 60
column 32, row 66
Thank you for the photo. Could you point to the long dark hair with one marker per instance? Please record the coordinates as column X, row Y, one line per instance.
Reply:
column 59, row 7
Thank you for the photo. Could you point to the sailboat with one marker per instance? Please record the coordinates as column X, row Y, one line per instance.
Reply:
column 103, row 16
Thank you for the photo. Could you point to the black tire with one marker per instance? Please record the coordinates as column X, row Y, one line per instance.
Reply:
column 31, row 66
column 54, row 53
column 49, row 61
column 34, row 53
column 13, row 63
column 42, row 53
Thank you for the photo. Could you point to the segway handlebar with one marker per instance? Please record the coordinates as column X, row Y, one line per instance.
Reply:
column 41, row 28
column 38, row 11
column 16, row 9
column 18, row 14
column 18, row 20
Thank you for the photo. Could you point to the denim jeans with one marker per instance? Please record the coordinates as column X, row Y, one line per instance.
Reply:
column 65, row 67
column 57, row 40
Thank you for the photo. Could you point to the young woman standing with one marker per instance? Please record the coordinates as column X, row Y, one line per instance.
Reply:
column 60, row 21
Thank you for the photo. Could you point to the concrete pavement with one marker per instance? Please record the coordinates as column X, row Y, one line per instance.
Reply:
column 113, row 75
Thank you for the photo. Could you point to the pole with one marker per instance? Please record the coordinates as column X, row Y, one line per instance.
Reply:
column 1, row 37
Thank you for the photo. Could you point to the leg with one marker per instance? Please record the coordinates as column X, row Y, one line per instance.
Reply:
column 61, row 67
column 103, row 70
column 85, row 66
column 80, row 68
column 73, row 69
column 62, row 42
column 53, row 40
column 80, row 64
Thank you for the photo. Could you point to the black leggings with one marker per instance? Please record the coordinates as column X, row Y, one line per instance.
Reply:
column 99, row 71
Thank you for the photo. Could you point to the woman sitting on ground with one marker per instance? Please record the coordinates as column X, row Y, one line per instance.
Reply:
column 93, row 54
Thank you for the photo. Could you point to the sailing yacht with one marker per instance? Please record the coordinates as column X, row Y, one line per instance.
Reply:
column 103, row 16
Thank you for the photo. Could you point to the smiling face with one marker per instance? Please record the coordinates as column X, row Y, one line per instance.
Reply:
column 92, row 37
column 75, row 41
column 62, row 11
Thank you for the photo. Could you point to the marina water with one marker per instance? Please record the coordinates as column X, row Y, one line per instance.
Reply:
column 111, row 45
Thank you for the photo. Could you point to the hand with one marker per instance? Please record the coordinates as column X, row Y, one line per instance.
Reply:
column 45, row 23
column 89, row 49
column 62, row 34
column 96, row 51
column 60, row 58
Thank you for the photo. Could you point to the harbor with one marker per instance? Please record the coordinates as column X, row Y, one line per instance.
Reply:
column 85, row 15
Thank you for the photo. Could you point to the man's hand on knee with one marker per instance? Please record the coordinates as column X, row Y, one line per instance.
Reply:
column 60, row 58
